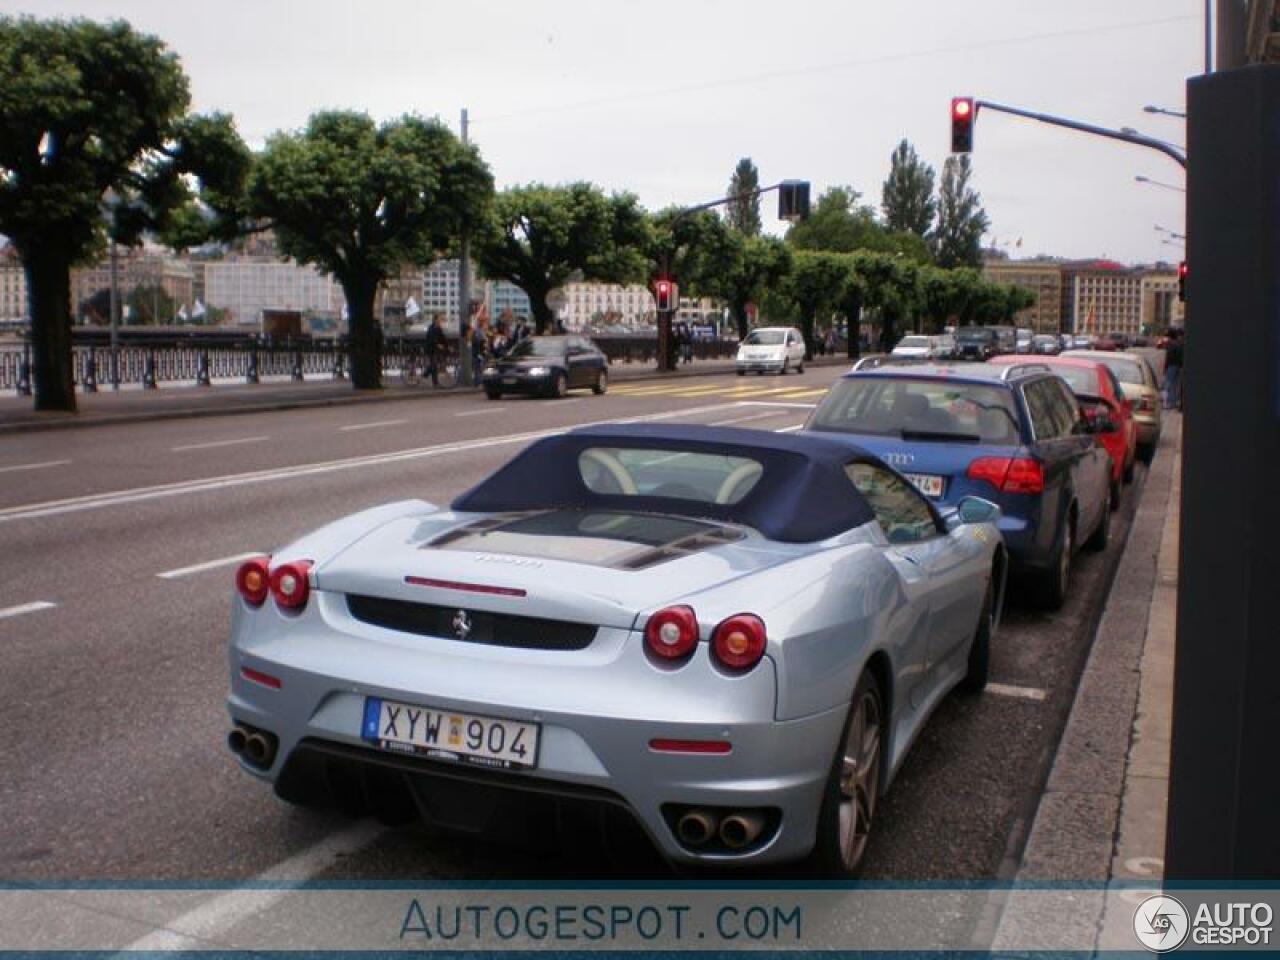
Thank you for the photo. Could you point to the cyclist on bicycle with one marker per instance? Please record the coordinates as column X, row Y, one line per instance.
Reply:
column 435, row 347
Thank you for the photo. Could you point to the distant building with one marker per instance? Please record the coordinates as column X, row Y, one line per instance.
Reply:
column 1107, row 298
column 1161, row 307
column 440, row 293
column 605, row 305
column 14, row 304
column 147, row 269
column 1042, row 278
column 245, row 287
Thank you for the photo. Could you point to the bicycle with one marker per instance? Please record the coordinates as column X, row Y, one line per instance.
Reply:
column 413, row 366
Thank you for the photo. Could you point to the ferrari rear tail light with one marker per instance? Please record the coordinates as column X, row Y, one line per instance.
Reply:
column 252, row 581
column 672, row 633
column 739, row 642
column 289, row 584
column 1010, row 474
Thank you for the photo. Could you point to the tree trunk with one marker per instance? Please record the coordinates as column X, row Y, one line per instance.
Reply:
column 366, row 334
column 853, row 326
column 807, row 320
column 544, row 318
column 740, row 318
column 49, row 288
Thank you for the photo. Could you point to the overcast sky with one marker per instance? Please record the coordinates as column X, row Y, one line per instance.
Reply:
column 662, row 98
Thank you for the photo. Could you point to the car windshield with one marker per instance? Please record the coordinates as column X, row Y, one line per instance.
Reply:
column 1126, row 371
column 538, row 347
column 1079, row 379
column 914, row 342
column 677, row 474
column 1043, row 338
column 919, row 409
column 978, row 334
column 764, row 338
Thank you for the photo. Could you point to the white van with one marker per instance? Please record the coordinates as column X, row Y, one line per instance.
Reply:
column 771, row 350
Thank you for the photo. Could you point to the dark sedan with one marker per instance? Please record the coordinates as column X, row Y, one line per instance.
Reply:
column 547, row 366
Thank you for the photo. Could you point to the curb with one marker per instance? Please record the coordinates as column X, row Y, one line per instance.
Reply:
column 74, row 421
column 1073, row 836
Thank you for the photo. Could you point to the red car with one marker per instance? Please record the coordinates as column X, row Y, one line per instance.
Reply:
column 1099, row 393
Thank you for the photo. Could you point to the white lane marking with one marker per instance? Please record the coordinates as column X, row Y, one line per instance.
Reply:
column 370, row 426
column 480, row 413
column 564, row 400
column 34, row 466
column 1025, row 693
column 207, row 565
column 776, row 403
column 746, row 419
column 225, row 911
column 798, row 426
column 22, row 608
column 217, row 443
column 117, row 497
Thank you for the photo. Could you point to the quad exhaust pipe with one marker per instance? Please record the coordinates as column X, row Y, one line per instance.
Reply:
column 736, row 831
column 696, row 827
column 257, row 747
column 739, row 830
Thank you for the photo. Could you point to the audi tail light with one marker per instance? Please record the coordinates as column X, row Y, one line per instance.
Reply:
column 672, row 633
column 289, row 584
column 739, row 642
column 1009, row 474
column 253, row 581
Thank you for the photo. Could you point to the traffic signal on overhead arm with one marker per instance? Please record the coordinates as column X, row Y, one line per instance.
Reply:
column 793, row 200
column 963, row 111
column 1182, row 281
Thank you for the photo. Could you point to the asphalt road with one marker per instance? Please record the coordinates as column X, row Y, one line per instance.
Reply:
column 113, row 619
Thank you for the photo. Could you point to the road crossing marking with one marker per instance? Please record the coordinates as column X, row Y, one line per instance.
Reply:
column 207, row 565
column 370, row 426
column 33, row 466
column 776, row 403
column 22, row 608
column 480, row 413
column 181, row 488
column 217, row 443
column 1024, row 693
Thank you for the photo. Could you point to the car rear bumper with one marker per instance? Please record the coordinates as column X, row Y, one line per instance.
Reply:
column 597, row 744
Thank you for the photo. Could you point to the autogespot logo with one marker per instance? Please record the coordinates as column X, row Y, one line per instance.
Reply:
column 1161, row 923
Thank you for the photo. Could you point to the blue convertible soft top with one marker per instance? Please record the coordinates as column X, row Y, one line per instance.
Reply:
column 803, row 494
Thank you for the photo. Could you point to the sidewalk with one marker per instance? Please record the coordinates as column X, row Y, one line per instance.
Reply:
column 1101, row 820
column 171, row 402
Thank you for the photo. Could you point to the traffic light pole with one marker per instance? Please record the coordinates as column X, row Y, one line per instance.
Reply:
column 1134, row 138
column 666, row 355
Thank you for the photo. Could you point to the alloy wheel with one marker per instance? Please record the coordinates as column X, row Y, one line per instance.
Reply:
column 859, row 779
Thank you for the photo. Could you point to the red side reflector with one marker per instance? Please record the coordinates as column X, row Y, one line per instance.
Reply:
column 690, row 746
column 465, row 587
column 263, row 678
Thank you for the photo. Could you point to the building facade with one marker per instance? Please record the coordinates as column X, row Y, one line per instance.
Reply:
column 1161, row 307
column 599, row 305
column 440, row 294
column 243, row 288
column 15, row 308
column 161, row 282
column 1042, row 278
column 1107, row 299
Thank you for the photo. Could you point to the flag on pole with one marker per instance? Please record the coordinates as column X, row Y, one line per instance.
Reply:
column 411, row 308
column 197, row 311
column 182, row 314
column 345, row 315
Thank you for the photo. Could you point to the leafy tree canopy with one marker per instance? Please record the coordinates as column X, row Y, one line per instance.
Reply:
column 540, row 237
column 907, row 197
column 961, row 219
column 743, row 214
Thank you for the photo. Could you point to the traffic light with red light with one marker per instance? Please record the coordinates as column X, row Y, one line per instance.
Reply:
column 1182, row 281
column 665, row 294
column 963, row 111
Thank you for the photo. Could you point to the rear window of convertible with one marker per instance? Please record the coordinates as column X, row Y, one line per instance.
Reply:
column 676, row 474
column 919, row 409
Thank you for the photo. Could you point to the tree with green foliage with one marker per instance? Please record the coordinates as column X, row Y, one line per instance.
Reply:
column 907, row 197
column 757, row 264
column 743, row 213
column 94, row 126
column 815, row 287
column 541, row 237
column 359, row 200
column 839, row 223
column 957, row 240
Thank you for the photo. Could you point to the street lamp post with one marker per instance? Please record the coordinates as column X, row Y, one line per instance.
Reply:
column 1158, row 183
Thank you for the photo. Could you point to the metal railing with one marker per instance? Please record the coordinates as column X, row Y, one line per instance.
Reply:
column 200, row 361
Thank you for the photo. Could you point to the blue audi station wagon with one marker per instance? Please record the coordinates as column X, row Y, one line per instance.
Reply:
column 1015, row 436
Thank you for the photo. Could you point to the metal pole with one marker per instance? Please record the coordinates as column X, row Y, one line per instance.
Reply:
column 1208, row 36
column 115, row 316
column 1135, row 138
column 464, row 293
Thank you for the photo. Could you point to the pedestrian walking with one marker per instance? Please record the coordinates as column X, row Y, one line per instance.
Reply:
column 1173, row 353
column 434, row 347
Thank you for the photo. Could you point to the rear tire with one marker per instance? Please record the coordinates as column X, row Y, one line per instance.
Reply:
column 1102, row 533
column 742, row 373
column 560, row 386
column 493, row 394
column 1055, row 581
column 975, row 679
column 848, row 805
column 601, row 384
column 1113, row 501
column 800, row 367
column 1129, row 467
column 783, row 371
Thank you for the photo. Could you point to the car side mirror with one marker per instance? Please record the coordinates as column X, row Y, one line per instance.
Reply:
column 977, row 510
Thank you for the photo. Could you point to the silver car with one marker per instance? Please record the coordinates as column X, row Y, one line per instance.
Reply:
column 730, row 637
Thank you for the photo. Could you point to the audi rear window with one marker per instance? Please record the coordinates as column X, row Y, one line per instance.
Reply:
column 919, row 409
